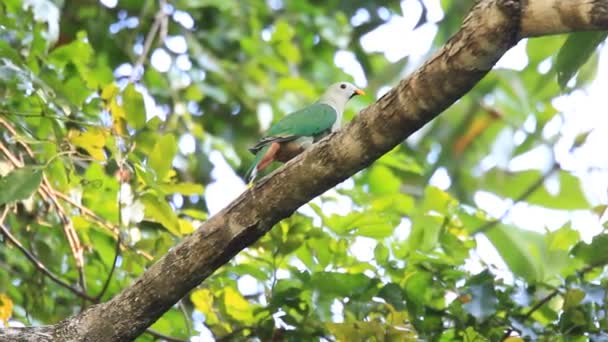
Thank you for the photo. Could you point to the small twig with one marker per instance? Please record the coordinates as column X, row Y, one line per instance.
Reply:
column 118, row 237
column 109, row 278
column 187, row 320
column 157, row 26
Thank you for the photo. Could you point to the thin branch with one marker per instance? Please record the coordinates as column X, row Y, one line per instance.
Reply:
column 157, row 26
column 47, row 192
column 109, row 278
column 39, row 265
column 547, row 298
column 187, row 320
column 527, row 193
column 120, row 163
column 163, row 336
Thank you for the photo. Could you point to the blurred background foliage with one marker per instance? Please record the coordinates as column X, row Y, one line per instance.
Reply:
column 125, row 124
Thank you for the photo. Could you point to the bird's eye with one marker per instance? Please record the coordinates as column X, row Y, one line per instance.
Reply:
column 343, row 86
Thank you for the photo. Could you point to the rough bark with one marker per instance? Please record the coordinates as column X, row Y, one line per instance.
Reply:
column 490, row 29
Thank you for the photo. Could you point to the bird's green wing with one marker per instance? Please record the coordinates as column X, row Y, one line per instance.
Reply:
column 307, row 122
column 311, row 121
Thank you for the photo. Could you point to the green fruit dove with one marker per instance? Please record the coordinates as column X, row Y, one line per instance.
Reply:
column 300, row 129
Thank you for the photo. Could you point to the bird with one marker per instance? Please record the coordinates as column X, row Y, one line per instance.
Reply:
column 297, row 131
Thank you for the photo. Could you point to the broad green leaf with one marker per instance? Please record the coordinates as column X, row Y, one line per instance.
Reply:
column 172, row 323
column 520, row 249
column 195, row 214
column 158, row 210
column 133, row 104
column 417, row 286
column 6, row 308
column 182, row 188
column 371, row 331
column 393, row 294
column 203, row 301
column 7, row 51
column 93, row 141
column 483, row 301
column 573, row 298
column 161, row 158
column 20, row 184
column 360, row 223
column 562, row 239
column 514, row 184
column 383, row 181
column 575, row 52
column 236, row 306
column 399, row 160
column 340, row 284
column 595, row 253
column 381, row 254
column 185, row 227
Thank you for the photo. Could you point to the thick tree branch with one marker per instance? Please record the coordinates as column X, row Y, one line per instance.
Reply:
column 545, row 17
column 492, row 27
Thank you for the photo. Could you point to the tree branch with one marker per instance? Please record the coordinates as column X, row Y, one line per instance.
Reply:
column 545, row 17
column 491, row 28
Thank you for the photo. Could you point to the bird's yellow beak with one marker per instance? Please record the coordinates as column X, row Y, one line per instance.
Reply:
column 359, row 92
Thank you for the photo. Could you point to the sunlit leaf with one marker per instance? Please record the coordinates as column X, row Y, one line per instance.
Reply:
column 483, row 301
column 6, row 308
column 203, row 301
column 340, row 284
column 20, row 184
column 520, row 249
column 514, row 184
column 93, row 141
column 595, row 253
column 575, row 52
column 133, row 103
column 182, row 188
column 161, row 158
column 158, row 210
column 237, row 306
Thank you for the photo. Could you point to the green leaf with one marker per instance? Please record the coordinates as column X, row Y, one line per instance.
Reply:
column 133, row 104
column 93, row 141
column 383, row 181
column 236, row 306
column 573, row 298
column 418, row 287
column 381, row 254
column 182, row 188
column 359, row 223
column 203, row 302
column 158, row 210
column 520, row 249
column 483, row 301
column 514, row 184
column 162, row 155
column 20, row 184
column 575, row 52
column 340, row 284
column 7, row 51
column 393, row 294
column 595, row 253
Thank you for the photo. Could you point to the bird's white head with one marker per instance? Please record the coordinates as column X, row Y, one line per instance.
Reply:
column 338, row 94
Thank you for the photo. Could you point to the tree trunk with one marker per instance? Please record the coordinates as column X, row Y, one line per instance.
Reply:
column 490, row 29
